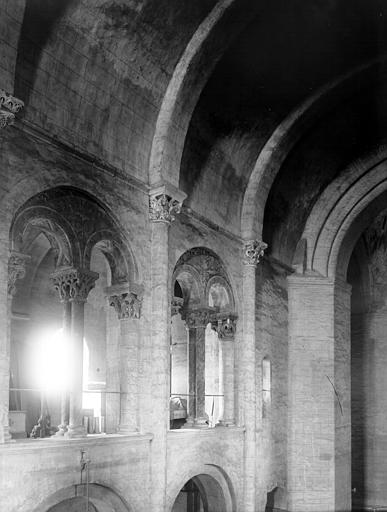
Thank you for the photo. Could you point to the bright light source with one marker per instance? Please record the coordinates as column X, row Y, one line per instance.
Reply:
column 52, row 361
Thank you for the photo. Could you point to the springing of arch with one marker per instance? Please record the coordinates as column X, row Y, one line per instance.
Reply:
column 288, row 133
column 74, row 223
column 100, row 497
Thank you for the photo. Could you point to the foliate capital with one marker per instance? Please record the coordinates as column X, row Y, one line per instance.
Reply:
column 196, row 318
column 163, row 208
column 9, row 106
column 176, row 305
column 16, row 270
column 165, row 202
column 253, row 250
column 225, row 327
column 126, row 305
column 73, row 284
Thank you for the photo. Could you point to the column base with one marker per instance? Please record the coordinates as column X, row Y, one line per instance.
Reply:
column 189, row 423
column 126, row 429
column 62, row 429
column 74, row 432
column 200, row 423
column 225, row 423
column 5, row 436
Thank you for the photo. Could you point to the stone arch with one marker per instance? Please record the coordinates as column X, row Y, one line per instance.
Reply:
column 102, row 498
column 35, row 219
column 75, row 221
column 227, row 301
column 32, row 185
column 205, row 267
column 319, row 324
column 203, row 51
column 285, row 137
column 214, row 485
column 189, row 280
column 341, row 213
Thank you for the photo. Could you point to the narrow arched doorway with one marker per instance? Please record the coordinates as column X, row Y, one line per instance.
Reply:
column 189, row 499
column 202, row 493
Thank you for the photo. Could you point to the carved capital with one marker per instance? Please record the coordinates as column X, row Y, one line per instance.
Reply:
column 16, row 270
column 253, row 250
column 9, row 106
column 176, row 305
column 73, row 284
column 126, row 305
column 196, row 318
column 225, row 327
column 6, row 118
column 163, row 208
column 165, row 202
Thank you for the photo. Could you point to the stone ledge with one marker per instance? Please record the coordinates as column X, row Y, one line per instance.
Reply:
column 52, row 444
column 200, row 432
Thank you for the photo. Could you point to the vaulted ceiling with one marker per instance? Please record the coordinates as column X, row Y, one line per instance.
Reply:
column 94, row 73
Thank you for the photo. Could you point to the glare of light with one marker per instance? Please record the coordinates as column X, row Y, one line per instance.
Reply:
column 51, row 361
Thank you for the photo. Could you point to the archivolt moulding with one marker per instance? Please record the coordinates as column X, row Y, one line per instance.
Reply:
column 341, row 214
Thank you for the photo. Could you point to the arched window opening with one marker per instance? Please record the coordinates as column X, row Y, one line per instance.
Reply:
column 60, row 272
column 276, row 500
column 266, row 386
column 202, row 358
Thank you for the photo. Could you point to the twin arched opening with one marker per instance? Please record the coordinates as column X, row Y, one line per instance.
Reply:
column 68, row 254
column 202, row 350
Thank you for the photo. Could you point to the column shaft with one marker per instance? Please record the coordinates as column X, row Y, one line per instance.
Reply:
column 200, row 384
column 128, row 376
column 191, row 376
column 227, row 380
column 76, row 428
column 64, row 399
column 160, row 360
column 248, row 369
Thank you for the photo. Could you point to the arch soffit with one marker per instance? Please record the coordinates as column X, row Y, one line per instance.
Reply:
column 220, row 280
column 211, row 470
column 203, row 51
column 85, row 211
column 284, row 138
column 190, row 282
column 32, row 185
column 335, row 213
column 204, row 265
column 96, row 490
column 34, row 219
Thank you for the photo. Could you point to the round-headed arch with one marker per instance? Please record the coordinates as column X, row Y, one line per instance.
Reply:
column 288, row 133
column 341, row 214
column 205, row 48
column 74, row 222
column 203, row 280
column 101, row 498
column 214, row 486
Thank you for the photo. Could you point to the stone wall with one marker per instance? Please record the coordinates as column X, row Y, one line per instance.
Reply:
column 272, row 343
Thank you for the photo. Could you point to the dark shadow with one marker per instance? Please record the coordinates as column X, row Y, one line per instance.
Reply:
column 40, row 17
